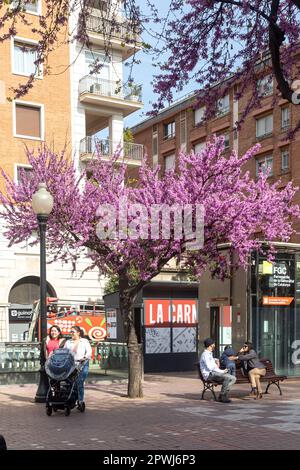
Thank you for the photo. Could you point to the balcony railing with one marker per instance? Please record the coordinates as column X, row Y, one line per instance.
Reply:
column 124, row 31
column 106, row 147
column 108, row 88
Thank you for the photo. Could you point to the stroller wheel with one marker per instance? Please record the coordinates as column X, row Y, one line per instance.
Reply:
column 67, row 411
column 81, row 407
column 49, row 410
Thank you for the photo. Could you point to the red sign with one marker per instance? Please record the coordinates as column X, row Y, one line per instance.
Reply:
column 170, row 311
column 277, row 300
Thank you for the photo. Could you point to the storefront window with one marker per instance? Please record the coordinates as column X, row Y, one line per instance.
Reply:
column 276, row 311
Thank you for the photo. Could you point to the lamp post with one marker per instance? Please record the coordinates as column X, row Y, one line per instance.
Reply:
column 42, row 204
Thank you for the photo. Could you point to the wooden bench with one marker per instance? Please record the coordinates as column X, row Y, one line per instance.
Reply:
column 271, row 378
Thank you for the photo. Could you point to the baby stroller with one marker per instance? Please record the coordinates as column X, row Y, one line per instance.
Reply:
column 62, row 373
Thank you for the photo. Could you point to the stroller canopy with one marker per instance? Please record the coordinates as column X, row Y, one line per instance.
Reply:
column 60, row 364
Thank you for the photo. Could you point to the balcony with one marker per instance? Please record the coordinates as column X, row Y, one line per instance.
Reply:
column 110, row 94
column 132, row 153
column 122, row 35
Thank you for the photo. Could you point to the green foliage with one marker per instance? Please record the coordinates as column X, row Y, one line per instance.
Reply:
column 128, row 136
column 112, row 284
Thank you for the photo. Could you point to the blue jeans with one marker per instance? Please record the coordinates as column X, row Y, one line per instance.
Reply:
column 231, row 367
column 80, row 381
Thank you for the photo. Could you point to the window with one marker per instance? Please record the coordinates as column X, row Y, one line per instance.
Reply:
column 285, row 156
column 169, row 130
column 199, row 115
column 226, row 140
column 223, row 105
column 93, row 59
column 24, row 170
column 24, row 56
column 170, row 162
column 264, row 126
column 285, row 117
column 265, row 86
column 28, row 121
column 265, row 164
column 183, row 129
column 30, row 6
column 199, row 146
column 154, row 141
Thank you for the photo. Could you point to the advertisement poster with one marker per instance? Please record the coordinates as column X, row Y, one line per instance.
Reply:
column 158, row 340
column 111, row 323
column 184, row 340
column 171, row 325
column 92, row 325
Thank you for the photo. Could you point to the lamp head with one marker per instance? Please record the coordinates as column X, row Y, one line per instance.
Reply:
column 42, row 201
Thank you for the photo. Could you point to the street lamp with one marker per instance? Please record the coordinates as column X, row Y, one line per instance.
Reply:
column 42, row 204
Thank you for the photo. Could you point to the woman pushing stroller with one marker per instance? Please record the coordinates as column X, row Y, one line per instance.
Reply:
column 82, row 351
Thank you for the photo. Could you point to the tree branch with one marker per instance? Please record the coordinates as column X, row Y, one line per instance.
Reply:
column 276, row 38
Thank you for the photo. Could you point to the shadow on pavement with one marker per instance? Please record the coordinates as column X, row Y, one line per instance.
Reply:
column 19, row 397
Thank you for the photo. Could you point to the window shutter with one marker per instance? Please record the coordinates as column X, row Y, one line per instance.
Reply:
column 28, row 121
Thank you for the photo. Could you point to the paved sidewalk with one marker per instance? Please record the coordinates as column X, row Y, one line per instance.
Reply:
column 171, row 416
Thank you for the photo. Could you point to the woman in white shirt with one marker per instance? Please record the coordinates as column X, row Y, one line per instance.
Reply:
column 82, row 351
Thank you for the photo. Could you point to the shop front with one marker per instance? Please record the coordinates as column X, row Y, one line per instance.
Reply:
column 275, row 310
column 166, row 319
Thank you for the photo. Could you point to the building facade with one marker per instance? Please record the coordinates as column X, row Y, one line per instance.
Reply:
column 263, row 303
column 76, row 109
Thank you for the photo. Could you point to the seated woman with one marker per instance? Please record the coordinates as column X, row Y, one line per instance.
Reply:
column 82, row 351
column 255, row 368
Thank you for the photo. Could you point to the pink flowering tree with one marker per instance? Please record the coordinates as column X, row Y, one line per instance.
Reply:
column 228, row 42
column 238, row 210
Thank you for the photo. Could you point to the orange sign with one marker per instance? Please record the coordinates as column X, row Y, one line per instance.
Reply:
column 170, row 311
column 93, row 326
column 277, row 300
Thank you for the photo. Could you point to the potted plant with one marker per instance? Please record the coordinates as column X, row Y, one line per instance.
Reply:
column 135, row 92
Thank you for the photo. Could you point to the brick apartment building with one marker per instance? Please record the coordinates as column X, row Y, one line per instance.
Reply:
column 261, row 304
column 62, row 108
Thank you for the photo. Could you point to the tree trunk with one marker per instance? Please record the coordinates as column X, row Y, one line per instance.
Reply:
column 135, row 357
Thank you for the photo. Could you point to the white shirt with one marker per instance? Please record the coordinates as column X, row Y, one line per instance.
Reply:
column 208, row 364
column 80, row 350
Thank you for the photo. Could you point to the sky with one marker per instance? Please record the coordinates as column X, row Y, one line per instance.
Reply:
column 143, row 73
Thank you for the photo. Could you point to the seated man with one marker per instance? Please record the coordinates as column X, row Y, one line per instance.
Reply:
column 211, row 371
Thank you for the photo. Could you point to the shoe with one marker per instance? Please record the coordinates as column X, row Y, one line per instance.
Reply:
column 253, row 393
column 224, row 399
column 258, row 396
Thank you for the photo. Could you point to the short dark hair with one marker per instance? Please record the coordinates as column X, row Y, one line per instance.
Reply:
column 208, row 342
column 249, row 344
